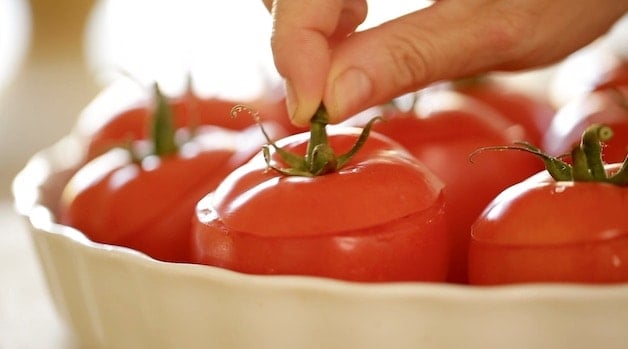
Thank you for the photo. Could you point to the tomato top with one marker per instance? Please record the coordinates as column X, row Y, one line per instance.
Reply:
column 584, row 186
column 542, row 230
column 382, row 182
column 571, row 202
column 105, row 127
column 356, row 206
column 374, row 181
column 531, row 112
column 566, row 224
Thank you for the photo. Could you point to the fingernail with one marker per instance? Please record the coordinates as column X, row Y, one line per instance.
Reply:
column 291, row 100
column 350, row 91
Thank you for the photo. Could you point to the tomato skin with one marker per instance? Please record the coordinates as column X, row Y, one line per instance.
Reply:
column 406, row 249
column 257, row 187
column 133, row 121
column 609, row 107
column 147, row 206
column 533, row 114
column 443, row 137
column 134, row 124
column 541, row 230
column 363, row 223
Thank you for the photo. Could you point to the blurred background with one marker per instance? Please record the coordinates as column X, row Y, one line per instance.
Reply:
column 44, row 78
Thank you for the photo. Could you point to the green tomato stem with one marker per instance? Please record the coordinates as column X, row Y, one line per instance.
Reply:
column 591, row 145
column 320, row 158
column 163, row 131
column 621, row 176
column 587, row 163
column 580, row 166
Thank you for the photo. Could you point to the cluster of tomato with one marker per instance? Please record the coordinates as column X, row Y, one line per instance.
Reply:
column 397, row 198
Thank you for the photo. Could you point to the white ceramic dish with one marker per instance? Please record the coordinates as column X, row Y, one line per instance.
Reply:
column 114, row 297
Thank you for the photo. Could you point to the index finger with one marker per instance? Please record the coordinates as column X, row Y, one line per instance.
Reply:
column 303, row 32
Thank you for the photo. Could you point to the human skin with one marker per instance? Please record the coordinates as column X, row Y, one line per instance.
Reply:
column 323, row 59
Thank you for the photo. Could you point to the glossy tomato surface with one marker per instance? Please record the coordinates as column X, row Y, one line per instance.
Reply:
column 546, row 231
column 531, row 112
column 609, row 107
column 443, row 131
column 146, row 205
column 104, row 128
column 378, row 218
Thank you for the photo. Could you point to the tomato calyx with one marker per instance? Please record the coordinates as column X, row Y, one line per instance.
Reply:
column 162, row 128
column 586, row 164
column 163, row 134
column 320, row 158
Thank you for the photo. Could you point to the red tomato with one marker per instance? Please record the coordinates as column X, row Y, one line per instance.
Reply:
column 106, row 130
column 378, row 218
column 534, row 114
column 571, row 228
column 609, row 107
column 146, row 203
column 448, row 128
column 542, row 230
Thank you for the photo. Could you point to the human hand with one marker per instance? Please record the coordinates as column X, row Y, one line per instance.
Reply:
column 323, row 59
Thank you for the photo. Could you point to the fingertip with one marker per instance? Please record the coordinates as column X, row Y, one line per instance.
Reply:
column 291, row 99
column 303, row 113
column 300, row 110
